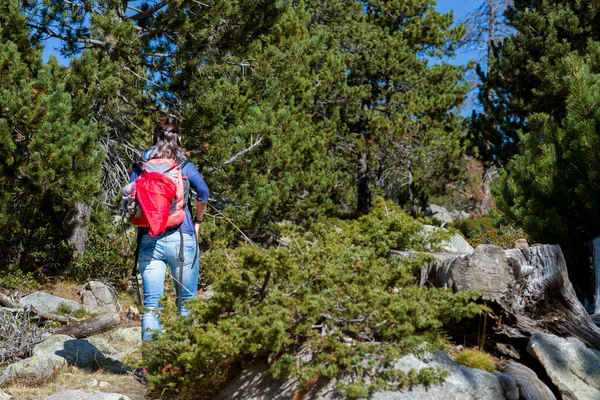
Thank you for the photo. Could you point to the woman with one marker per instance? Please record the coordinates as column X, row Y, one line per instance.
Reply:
column 156, row 252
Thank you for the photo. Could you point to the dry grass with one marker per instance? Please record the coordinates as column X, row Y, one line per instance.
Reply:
column 474, row 358
column 75, row 379
column 65, row 289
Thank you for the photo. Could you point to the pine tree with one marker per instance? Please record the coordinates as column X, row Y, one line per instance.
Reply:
column 50, row 161
column 527, row 73
column 486, row 29
column 552, row 188
column 269, row 126
column 401, row 126
column 137, row 58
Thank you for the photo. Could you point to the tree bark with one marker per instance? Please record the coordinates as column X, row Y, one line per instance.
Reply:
column 82, row 329
column 596, row 258
column 528, row 290
column 486, row 198
column 76, row 227
column 364, row 185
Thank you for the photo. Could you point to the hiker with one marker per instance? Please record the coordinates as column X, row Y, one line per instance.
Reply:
column 159, row 250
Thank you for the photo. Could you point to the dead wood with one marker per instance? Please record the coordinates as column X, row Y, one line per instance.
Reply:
column 528, row 289
column 82, row 329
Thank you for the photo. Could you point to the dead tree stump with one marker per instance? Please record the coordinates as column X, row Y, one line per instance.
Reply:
column 528, row 290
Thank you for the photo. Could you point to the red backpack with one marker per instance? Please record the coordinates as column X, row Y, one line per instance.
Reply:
column 158, row 197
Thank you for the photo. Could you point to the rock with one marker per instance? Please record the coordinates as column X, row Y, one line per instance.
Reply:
column 91, row 353
column 81, row 395
column 93, row 383
column 509, row 385
column 439, row 213
column 97, row 297
column 508, row 350
column 102, row 345
column 462, row 383
column 33, row 370
column 47, row 303
column 5, row 396
column 103, row 384
column 207, row 293
column 573, row 368
column 459, row 215
column 486, row 270
column 128, row 336
column 120, row 357
column 521, row 244
column 530, row 386
column 456, row 243
column 52, row 345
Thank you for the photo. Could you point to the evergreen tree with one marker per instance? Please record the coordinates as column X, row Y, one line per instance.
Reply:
column 138, row 59
column 526, row 73
column 269, row 128
column 552, row 188
column 50, row 161
column 486, row 29
column 400, row 127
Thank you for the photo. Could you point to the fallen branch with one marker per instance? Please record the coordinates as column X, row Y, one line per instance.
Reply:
column 82, row 329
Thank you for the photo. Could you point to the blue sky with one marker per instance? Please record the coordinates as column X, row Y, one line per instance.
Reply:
column 459, row 7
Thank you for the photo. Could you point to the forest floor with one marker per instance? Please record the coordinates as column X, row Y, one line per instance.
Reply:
column 74, row 378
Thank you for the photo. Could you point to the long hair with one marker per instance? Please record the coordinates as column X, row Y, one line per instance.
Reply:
column 166, row 142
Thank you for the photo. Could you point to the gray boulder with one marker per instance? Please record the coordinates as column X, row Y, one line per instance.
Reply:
column 573, row 368
column 439, row 213
column 81, row 395
column 530, row 386
column 5, row 396
column 127, row 336
column 509, row 385
column 91, row 353
column 33, row 370
column 463, row 383
column 47, row 303
column 456, row 243
column 97, row 297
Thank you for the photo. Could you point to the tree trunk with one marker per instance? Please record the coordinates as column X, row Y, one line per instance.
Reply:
column 411, row 192
column 92, row 326
column 76, row 227
column 596, row 258
column 486, row 199
column 364, row 185
column 528, row 290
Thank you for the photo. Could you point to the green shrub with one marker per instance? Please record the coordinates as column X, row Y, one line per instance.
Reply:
column 472, row 227
column 107, row 257
column 332, row 292
column 483, row 230
column 477, row 359
column 66, row 310
column 17, row 279
column 504, row 237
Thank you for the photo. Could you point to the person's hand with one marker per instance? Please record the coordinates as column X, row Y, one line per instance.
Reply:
column 197, row 228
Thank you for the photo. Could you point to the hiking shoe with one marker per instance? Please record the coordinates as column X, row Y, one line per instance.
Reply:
column 140, row 375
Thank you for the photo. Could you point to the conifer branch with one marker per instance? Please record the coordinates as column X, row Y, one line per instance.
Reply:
column 237, row 156
column 149, row 12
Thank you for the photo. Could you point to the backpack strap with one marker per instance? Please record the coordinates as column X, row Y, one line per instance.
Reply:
column 182, row 163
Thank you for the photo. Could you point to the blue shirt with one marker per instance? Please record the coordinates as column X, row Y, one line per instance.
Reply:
column 196, row 183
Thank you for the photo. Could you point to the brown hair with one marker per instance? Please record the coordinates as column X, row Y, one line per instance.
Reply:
column 166, row 141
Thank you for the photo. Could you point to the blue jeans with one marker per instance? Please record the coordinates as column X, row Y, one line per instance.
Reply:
column 155, row 254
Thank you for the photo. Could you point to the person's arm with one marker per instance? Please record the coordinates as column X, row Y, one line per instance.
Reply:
column 201, row 189
column 135, row 172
